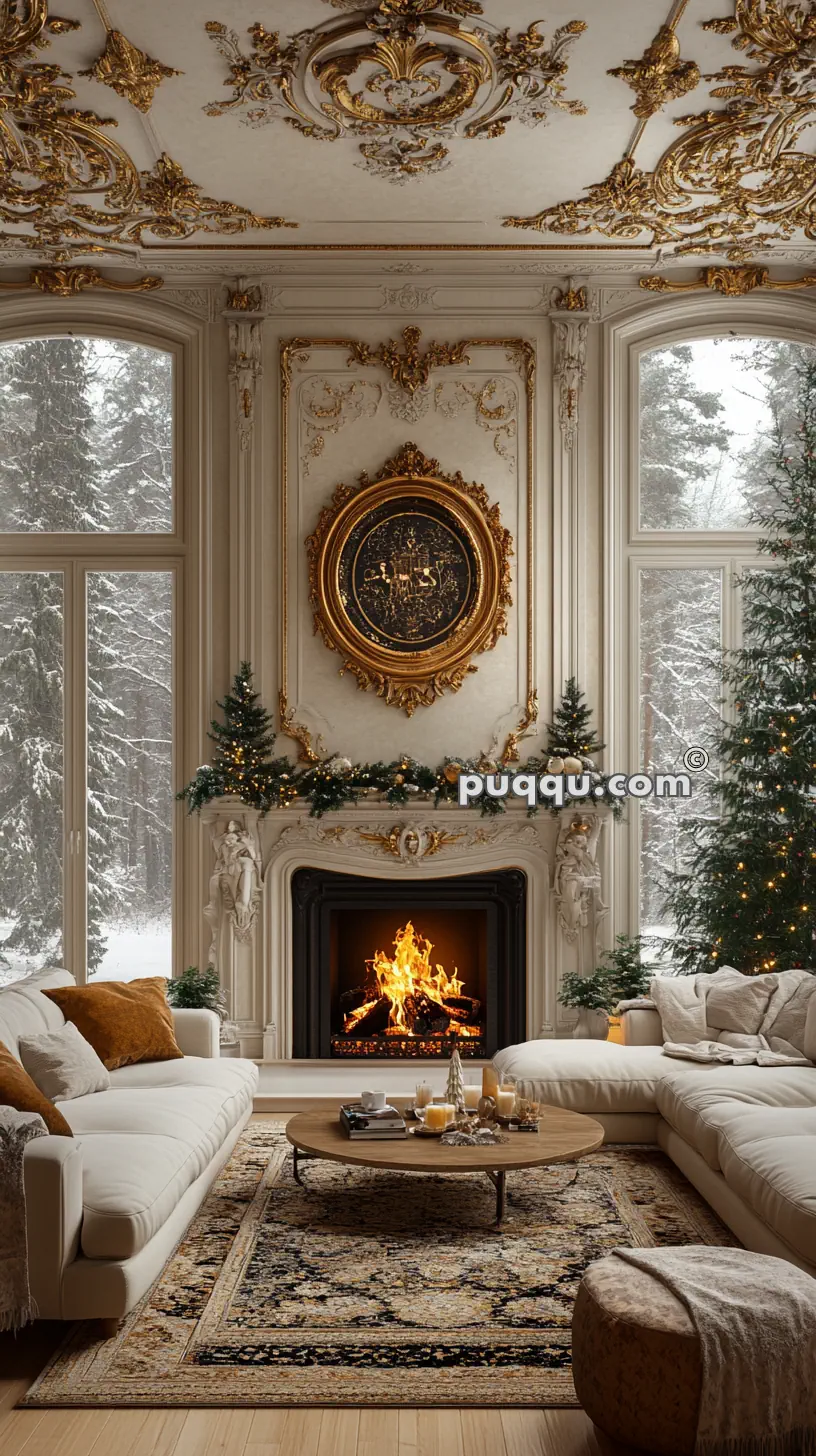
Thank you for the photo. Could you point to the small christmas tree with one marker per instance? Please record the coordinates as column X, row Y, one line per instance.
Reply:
column 243, row 743
column 455, row 1091
column 749, row 897
column 571, row 733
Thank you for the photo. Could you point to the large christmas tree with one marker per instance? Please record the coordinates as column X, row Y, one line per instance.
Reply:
column 749, row 896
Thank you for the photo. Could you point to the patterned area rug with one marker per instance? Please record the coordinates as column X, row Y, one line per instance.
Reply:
column 376, row 1288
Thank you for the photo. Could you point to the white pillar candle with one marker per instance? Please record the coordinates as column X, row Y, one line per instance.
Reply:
column 438, row 1115
column 424, row 1094
column 505, row 1102
column 472, row 1097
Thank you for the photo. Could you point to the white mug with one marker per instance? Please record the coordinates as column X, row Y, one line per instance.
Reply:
column 372, row 1101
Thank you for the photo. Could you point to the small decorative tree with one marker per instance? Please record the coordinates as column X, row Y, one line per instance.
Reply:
column 571, row 735
column 241, row 764
column 455, row 1091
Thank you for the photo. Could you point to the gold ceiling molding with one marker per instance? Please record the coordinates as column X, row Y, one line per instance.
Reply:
column 65, row 184
column 521, row 353
column 731, row 282
column 660, row 75
column 128, row 71
column 424, row 79
column 448, row 591
column 735, row 178
column 67, row 282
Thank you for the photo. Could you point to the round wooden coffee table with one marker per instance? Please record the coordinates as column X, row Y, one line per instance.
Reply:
column 561, row 1137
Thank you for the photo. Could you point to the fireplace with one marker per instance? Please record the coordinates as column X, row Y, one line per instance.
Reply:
column 407, row 968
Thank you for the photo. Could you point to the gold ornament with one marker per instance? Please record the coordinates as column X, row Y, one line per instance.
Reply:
column 572, row 765
column 67, row 282
column 660, row 75
column 452, row 772
column 129, row 71
column 555, row 765
column 731, row 282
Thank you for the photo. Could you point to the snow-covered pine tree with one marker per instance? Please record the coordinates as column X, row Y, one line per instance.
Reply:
column 748, row 898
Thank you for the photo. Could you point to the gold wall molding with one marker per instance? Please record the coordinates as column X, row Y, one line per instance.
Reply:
column 735, row 179
column 521, row 353
column 66, row 184
column 128, row 71
column 434, row 80
column 659, row 76
column 67, row 282
column 731, row 282
column 441, row 659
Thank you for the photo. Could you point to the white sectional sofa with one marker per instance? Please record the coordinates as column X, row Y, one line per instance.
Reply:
column 106, row 1207
column 744, row 1136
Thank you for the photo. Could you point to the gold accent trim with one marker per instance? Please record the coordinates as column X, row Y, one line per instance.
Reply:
column 735, row 179
column 244, row 300
column 66, row 182
column 67, row 282
column 731, row 282
column 642, row 248
column 128, row 71
column 571, row 300
column 434, row 840
column 409, row 680
column 522, row 354
column 408, row 368
column 660, row 75
column 510, row 752
column 297, row 731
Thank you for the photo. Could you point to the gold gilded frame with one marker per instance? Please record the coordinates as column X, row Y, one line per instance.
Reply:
column 409, row 680
column 521, row 353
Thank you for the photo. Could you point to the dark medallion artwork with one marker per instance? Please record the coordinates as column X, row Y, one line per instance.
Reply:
column 409, row 578
column 408, row 575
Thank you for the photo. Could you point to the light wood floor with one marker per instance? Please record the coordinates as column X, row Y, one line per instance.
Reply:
column 272, row 1432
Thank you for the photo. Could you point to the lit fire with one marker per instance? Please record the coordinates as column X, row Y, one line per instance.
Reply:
column 408, row 981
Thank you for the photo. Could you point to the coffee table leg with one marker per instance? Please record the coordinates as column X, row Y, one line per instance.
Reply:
column 499, row 1181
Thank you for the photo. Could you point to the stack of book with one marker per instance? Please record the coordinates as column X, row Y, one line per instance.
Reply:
column 387, row 1122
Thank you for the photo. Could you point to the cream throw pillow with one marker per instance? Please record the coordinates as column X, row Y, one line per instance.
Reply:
column 736, row 1002
column 63, row 1064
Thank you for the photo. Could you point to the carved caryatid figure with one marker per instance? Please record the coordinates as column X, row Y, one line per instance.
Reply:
column 576, row 876
column 235, row 884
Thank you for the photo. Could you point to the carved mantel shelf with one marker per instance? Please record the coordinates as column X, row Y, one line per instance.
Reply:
column 249, row 909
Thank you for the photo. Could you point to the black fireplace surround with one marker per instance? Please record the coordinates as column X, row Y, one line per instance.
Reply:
column 476, row 923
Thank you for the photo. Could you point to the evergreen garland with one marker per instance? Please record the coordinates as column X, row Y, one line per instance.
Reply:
column 749, row 897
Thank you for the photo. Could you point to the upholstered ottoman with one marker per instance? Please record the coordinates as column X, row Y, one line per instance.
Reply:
column 636, row 1360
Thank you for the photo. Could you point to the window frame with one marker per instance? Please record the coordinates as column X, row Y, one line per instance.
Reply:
column 184, row 550
column 629, row 547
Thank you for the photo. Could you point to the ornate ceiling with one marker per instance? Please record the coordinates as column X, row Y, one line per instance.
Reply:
column 260, row 124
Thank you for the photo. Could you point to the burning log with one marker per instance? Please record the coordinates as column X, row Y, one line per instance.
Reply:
column 406, row 997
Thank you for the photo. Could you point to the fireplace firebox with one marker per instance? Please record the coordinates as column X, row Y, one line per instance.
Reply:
column 408, row 968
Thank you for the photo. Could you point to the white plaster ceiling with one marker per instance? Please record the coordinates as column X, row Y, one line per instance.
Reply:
column 320, row 186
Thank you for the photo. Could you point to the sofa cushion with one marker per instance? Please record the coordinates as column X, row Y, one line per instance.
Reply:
column 695, row 1100
column 768, row 1158
column 124, row 1021
column 25, row 1011
column 20, row 1092
column 147, row 1139
column 588, row 1076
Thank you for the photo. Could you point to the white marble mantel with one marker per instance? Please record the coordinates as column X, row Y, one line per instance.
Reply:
column 250, row 913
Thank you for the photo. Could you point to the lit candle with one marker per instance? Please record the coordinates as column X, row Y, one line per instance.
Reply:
column 505, row 1102
column 438, row 1115
column 472, row 1097
column 424, row 1094
column 490, row 1081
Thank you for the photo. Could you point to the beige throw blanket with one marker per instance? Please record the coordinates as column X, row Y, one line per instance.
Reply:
column 728, row 1017
column 755, row 1317
column 16, row 1129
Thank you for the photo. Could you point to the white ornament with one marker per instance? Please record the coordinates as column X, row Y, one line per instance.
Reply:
column 555, row 765
column 339, row 765
column 572, row 765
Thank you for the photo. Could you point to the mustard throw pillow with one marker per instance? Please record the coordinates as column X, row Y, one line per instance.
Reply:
column 125, row 1021
column 18, row 1091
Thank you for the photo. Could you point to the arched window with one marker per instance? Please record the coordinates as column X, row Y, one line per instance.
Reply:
column 88, row 564
column 703, row 408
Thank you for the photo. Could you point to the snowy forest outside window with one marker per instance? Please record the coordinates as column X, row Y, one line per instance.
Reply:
column 86, row 657
column 707, row 412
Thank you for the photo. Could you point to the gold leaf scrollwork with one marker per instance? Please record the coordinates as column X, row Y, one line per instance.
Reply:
column 307, row 752
column 510, row 752
column 736, row 178
column 67, row 282
column 415, row 678
column 660, row 75
column 731, row 282
column 65, row 183
column 408, row 367
column 129, row 71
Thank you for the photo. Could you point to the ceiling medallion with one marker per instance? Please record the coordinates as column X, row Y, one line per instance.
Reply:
column 660, row 75
column 735, row 178
column 128, row 71
column 426, row 76
column 65, row 183
column 731, row 282
column 67, row 282
column 409, row 578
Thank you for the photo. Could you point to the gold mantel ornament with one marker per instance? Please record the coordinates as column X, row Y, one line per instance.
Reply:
column 65, row 184
column 660, row 75
column 129, row 71
column 732, row 282
column 67, row 282
column 409, row 624
column 736, row 178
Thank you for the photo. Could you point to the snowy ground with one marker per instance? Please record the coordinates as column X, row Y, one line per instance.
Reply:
column 142, row 949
